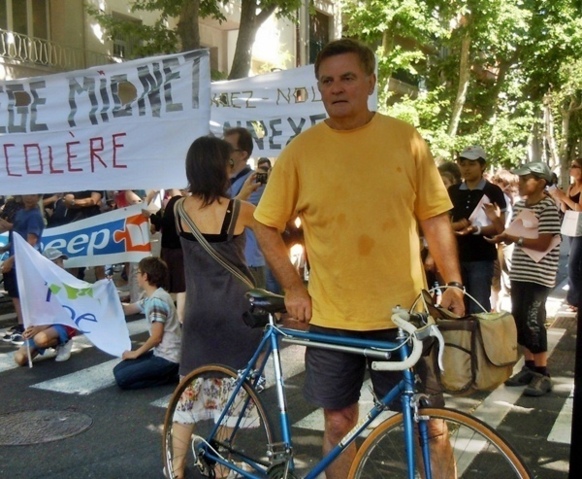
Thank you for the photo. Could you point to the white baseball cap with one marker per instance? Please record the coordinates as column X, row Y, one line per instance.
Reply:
column 473, row 153
column 53, row 254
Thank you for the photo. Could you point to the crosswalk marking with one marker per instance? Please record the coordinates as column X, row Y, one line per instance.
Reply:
column 491, row 410
column 79, row 343
column 94, row 378
column 86, row 381
column 497, row 404
column 562, row 430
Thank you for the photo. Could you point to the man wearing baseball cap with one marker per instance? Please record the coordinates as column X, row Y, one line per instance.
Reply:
column 534, row 265
column 478, row 211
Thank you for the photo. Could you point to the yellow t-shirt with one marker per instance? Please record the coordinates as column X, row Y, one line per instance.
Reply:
column 359, row 194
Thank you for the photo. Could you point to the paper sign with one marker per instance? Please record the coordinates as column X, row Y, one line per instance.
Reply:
column 479, row 217
column 525, row 225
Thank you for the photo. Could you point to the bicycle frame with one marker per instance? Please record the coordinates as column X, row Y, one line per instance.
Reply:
column 281, row 453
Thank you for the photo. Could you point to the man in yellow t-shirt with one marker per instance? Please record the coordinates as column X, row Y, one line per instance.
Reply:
column 361, row 183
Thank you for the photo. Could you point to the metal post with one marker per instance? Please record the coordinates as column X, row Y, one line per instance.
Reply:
column 576, row 439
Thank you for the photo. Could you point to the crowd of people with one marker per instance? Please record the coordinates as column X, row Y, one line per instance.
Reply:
column 362, row 228
column 499, row 259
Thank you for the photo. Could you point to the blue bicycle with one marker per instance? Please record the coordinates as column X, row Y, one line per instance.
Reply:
column 217, row 426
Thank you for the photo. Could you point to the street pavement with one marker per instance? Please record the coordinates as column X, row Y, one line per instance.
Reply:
column 117, row 434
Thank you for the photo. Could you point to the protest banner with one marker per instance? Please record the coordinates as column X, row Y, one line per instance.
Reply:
column 72, row 131
column 76, row 133
column 275, row 107
column 114, row 237
column 49, row 295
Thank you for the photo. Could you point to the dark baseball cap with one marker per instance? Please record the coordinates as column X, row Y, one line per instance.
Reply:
column 536, row 168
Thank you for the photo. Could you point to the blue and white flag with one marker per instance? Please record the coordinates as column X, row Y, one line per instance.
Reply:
column 50, row 295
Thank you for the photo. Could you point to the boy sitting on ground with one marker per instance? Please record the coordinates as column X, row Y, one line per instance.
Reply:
column 155, row 362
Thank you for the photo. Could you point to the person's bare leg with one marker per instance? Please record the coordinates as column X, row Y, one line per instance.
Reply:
column 180, row 304
column 442, row 459
column 337, row 424
column 181, row 437
column 48, row 338
column 21, row 356
column 540, row 359
column 17, row 310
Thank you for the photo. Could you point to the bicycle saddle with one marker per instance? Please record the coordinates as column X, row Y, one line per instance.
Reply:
column 266, row 301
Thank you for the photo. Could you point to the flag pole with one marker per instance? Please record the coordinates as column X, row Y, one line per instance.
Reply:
column 28, row 353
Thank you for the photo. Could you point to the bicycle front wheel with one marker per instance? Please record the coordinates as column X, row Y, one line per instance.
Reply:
column 195, row 427
column 469, row 449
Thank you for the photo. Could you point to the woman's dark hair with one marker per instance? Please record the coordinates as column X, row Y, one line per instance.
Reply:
column 156, row 269
column 206, row 168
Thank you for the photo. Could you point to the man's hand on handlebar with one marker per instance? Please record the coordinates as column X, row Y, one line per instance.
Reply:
column 452, row 300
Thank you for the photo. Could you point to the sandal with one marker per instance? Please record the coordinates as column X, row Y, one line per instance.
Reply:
column 571, row 308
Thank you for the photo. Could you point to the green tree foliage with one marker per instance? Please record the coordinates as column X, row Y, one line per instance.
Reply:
column 158, row 38
column 486, row 71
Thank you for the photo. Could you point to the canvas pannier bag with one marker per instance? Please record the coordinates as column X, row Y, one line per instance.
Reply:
column 480, row 349
column 480, row 352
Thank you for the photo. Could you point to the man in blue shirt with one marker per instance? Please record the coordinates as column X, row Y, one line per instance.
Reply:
column 29, row 224
column 242, row 144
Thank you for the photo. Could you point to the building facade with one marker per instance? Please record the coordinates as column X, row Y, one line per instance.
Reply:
column 38, row 37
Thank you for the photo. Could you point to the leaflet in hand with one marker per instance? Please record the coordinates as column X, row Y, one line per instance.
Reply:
column 538, row 255
column 478, row 216
column 525, row 225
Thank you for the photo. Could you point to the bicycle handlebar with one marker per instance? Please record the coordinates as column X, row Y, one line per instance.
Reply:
column 401, row 317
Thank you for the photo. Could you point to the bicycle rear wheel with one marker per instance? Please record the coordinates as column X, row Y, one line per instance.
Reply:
column 478, row 451
column 192, row 431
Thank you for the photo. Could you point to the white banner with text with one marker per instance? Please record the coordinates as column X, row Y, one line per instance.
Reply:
column 119, row 126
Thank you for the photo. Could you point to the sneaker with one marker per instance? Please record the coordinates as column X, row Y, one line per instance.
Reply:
column 64, row 351
column 7, row 336
column 522, row 378
column 538, row 386
column 10, row 332
column 17, row 339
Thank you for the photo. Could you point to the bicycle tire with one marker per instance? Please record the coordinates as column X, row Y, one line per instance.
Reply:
column 239, row 442
column 479, row 451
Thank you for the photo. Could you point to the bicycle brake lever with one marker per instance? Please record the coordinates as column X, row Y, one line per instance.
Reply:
column 431, row 330
column 436, row 333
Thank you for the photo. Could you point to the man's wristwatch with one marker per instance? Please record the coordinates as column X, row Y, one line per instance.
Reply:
column 519, row 241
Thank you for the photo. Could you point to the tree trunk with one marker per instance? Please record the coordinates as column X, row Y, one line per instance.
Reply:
column 188, row 28
column 565, row 156
column 550, row 137
column 504, row 66
column 564, row 160
column 464, row 77
column 535, row 144
column 250, row 21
